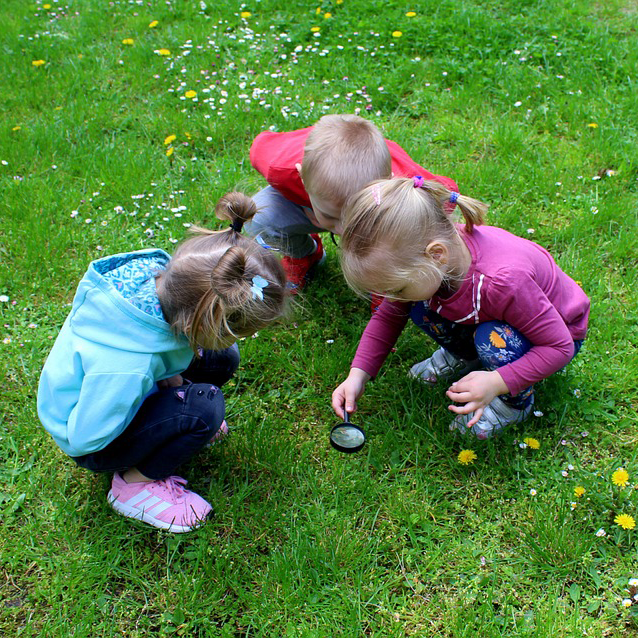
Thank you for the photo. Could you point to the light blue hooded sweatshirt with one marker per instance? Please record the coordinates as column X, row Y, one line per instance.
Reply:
column 108, row 356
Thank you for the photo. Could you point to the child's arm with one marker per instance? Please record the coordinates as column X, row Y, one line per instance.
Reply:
column 105, row 406
column 525, row 307
column 377, row 340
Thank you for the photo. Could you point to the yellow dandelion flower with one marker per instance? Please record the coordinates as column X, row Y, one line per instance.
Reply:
column 592, row 125
column 170, row 139
column 188, row 135
column 38, row 62
column 466, row 457
column 532, row 443
column 127, row 41
column 46, row 6
column 625, row 521
column 170, row 151
column 190, row 94
column 397, row 34
column 327, row 15
column 318, row 11
column 153, row 24
column 620, row 477
column 16, row 128
column 339, row 1
column 410, row 14
column 315, row 29
column 163, row 52
column 579, row 491
column 80, row 56
column 245, row 14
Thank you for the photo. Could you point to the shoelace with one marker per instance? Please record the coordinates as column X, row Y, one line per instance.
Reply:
column 175, row 485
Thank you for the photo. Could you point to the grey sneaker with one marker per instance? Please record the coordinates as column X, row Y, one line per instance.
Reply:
column 442, row 365
column 495, row 417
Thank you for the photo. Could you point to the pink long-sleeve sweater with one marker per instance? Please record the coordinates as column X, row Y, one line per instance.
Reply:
column 510, row 279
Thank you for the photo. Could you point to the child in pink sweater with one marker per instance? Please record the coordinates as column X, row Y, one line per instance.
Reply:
column 500, row 308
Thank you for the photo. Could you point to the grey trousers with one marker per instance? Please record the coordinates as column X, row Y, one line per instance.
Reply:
column 281, row 225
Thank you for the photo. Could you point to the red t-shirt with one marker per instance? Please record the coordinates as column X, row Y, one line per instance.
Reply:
column 275, row 156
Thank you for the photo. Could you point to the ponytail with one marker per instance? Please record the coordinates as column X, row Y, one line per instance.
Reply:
column 236, row 208
column 473, row 210
column 220, row 286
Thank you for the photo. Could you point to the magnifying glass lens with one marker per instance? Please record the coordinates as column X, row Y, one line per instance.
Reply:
column 348, row 436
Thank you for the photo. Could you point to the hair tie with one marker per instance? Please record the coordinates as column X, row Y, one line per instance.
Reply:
column 257, row 287
column 418, row 181
column 237, row 225
column 453, row 197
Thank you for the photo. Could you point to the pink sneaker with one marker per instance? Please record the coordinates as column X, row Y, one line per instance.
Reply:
column 165, row 504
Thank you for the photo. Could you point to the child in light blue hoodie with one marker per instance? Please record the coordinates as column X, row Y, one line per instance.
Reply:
column 131, row 385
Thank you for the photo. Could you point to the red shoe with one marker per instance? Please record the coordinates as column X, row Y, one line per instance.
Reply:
column 298, row 271
column 375, row 302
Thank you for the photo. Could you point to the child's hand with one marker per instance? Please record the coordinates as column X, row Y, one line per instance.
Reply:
column 349, row 391
column 172, row 382
column 475, row 390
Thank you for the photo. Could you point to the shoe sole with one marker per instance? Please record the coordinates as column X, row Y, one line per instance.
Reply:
column 458, row 426
column 145, row 517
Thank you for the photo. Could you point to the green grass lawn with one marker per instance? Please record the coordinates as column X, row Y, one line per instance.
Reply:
column 530, row 106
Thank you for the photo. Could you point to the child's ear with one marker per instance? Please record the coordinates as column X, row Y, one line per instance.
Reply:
column 437, row 251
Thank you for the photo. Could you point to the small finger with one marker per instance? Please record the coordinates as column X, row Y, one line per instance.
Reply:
column 477, row 415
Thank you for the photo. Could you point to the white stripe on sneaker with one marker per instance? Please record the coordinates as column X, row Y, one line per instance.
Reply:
column 137, row 498
column 160, row 508
column 148, row 505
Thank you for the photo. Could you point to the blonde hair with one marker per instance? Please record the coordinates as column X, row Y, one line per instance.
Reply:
column 341, row 155
column 208, row 291
column 388, row 226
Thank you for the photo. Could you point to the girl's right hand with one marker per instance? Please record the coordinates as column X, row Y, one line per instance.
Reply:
column 349, row 391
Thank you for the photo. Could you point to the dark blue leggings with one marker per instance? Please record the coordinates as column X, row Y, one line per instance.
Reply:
column 173, row 424
column 494, row 343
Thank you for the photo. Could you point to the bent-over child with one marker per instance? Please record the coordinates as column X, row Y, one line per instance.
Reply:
column 131, row 385
column 503, row 313
column 310, row 173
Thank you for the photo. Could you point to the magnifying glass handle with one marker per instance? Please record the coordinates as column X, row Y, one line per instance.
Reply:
column 346, row 416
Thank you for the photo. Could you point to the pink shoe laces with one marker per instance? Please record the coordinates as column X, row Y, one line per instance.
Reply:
column 175, row 486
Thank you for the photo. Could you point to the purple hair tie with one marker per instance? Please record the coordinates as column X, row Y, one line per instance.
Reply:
column 453, row 197
column 418, row 181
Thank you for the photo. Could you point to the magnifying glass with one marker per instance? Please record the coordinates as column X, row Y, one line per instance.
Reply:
column 347, row 437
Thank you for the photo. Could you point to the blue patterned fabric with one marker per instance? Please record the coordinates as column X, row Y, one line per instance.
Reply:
column 134, row 279
column 495, row 343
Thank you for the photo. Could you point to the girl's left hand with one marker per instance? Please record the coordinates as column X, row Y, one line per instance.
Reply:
column 475, row 390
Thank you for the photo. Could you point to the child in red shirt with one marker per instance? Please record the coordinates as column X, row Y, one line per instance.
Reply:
column 311, row 172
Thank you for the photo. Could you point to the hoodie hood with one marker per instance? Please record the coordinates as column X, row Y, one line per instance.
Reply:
column 99, row 307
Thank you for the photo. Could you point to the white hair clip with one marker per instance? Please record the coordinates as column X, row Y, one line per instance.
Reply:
column 376, row 193
column 257, row 288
